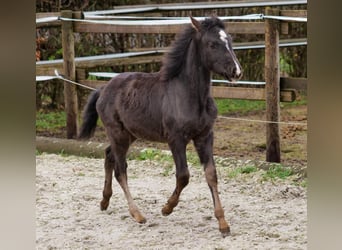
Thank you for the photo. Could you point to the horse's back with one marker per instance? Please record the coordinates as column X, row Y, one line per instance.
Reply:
column 135, row 99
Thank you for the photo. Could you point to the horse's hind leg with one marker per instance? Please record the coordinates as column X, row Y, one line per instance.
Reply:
column 119, row 150
column 107, row 189
column 178, row 150
column 204, row 147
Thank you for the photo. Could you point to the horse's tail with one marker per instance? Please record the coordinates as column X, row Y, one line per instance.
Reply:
column 90, row 116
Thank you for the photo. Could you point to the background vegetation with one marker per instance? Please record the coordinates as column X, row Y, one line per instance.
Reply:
column 50, row 94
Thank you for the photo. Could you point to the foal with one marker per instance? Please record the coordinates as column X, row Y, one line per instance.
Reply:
column 172, row 106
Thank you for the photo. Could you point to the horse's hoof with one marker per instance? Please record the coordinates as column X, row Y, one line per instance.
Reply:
column 225, row 232
column 139, row 218
column 166, row 210
column 104, row 205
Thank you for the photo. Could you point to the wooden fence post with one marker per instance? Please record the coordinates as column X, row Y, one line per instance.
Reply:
column 70, row 94
column 272, row 88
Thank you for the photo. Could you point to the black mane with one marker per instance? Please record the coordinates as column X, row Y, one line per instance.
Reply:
column 209, row 23
column 176, row 58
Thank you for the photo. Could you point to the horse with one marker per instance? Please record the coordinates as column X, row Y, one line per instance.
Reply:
column 173, row 106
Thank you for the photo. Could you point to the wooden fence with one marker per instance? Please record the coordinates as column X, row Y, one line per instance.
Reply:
column 275, row 90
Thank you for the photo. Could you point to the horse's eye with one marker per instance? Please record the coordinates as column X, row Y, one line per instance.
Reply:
column 212, row 45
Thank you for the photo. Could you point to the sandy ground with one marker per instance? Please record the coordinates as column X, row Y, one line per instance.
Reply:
column 262, row 214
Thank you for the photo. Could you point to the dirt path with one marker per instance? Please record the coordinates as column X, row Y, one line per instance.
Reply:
column 262, row 215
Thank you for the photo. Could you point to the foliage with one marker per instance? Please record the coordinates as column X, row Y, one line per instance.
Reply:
column 58, row 54
column 53, row 120
column 153, row 154
column 48, row 44
column 50, row 121
column 277, row 171
column 243, row 107
column 241, row 170
column 227, row 106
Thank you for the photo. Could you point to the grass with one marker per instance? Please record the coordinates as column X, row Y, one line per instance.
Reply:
column 50, row 121
column 241, row 170
column 226, row 106
column 277, row 171
column 153, row 154
column 274, row 171
column 54, row 120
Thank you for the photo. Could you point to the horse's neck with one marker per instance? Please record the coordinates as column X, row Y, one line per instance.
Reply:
column 198, row 76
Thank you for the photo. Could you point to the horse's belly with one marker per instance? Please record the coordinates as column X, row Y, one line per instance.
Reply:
column 147, row 130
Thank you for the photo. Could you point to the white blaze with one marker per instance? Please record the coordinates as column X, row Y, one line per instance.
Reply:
column 223, row 37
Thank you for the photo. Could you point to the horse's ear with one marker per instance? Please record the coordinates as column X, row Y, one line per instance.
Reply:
column 214, row 15
column 195, row 24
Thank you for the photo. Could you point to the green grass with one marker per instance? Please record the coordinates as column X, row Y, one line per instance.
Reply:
column 241, row 170
column 277, row 171
column 53, row 120
column 50, row 121
column 153, row 154
column 302, row 101
column 226, row 106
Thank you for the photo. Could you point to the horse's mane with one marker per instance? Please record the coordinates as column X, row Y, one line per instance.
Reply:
column 175, row 60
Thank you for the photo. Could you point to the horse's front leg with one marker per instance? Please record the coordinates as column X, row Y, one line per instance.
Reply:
column 204, row 147
column 178, row 149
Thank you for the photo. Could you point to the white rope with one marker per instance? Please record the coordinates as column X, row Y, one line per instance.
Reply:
column 165, row 21
column 76, row 83
column 45, row 78
column 46, row 19
column 263, row 121
column 103, row 74
column 143, row 19
column 133, row 22
column 239, row 82
column 112, row 74
column 287, row 18
column 193, row 6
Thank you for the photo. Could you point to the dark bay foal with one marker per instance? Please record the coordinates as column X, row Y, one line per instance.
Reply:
column 172, row 106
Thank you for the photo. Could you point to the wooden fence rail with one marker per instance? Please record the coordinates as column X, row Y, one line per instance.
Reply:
column 275, row 90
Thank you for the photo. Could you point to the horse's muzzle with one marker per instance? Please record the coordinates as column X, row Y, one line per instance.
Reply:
column 237, row 74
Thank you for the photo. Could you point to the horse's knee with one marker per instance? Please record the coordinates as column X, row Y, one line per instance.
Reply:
column 183, row 178
column 109, row 157
column 120, row 172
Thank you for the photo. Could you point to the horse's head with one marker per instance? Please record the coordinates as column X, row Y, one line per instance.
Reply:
column 216, row 48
